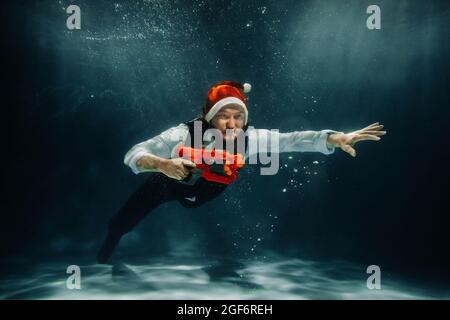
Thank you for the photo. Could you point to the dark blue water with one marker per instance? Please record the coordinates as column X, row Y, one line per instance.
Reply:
column 74, row 102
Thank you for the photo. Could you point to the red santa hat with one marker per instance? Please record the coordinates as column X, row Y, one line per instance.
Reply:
column 226, row 94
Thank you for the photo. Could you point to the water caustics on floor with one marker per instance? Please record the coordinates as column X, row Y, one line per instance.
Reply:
column 198, row 278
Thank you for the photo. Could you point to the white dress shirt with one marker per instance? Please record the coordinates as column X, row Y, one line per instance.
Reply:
column 165, row 144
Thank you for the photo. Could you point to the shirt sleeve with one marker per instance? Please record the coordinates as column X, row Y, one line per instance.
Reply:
column 296, row 141
column 161, row 145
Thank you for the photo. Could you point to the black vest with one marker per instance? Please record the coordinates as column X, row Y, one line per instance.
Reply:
column 214, row 187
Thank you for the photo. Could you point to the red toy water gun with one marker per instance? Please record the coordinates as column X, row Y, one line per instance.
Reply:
column 215, row 165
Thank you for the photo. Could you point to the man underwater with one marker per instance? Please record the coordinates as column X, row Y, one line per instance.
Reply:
column 226, row 112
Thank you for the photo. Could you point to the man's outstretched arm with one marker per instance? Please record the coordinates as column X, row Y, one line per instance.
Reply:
column 323, row 141
column 295, row 141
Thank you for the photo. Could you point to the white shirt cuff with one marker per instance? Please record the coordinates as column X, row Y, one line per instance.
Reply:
column 132, row 161
column 321, row 143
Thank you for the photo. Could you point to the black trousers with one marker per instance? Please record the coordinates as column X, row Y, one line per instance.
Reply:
column 156, row 190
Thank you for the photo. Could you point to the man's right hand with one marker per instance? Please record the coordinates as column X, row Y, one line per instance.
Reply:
column 178, row 168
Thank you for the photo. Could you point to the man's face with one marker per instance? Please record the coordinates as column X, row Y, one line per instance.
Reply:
column 229, row 118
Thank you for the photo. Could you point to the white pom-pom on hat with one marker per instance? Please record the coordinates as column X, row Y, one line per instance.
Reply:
column 247, row 87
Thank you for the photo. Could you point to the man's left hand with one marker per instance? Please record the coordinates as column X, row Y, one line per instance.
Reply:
column 346, row 141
